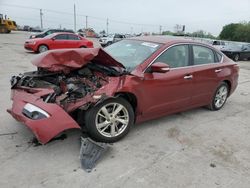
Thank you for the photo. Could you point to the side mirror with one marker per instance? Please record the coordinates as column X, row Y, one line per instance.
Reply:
column 160, row 67
column 53, row 38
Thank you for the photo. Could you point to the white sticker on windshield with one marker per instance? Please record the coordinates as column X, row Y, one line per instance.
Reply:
column 152, row 45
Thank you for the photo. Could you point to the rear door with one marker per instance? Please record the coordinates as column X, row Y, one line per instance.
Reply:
column 73, row 41
column 207, row 69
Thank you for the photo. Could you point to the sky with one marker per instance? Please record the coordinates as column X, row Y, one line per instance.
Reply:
column 129, row 16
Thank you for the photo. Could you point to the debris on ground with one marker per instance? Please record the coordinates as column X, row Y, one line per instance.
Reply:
column 212, row 165
column 34, row 142
column 61, row 137
column 91, row 152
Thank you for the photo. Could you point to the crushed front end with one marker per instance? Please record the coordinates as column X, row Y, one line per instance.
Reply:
column 66, row 83
column 45, row 101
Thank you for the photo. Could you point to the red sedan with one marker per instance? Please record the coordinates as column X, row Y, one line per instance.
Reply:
column 57, row 41
column 107, row 91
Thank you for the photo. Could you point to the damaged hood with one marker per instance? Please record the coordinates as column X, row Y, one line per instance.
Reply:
column 69, row 59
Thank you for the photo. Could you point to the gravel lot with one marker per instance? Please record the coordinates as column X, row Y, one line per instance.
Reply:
column 197, row 148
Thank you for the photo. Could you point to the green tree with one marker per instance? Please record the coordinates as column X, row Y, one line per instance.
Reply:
column 236, row 32
column 229, row 31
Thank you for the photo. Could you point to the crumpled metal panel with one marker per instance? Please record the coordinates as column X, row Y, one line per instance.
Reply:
column 69, row 59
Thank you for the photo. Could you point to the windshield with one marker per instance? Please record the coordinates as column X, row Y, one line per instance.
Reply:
column 132, row 52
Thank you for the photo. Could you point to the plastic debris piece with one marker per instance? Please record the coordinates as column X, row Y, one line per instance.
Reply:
column 91, row 152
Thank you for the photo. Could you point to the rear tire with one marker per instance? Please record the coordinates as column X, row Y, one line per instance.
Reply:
column 220, row 97
column 109, row 43
column 110, row 120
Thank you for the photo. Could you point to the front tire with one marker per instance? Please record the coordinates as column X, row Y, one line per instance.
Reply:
column 110, row 120
column 42, row 48
column 220, row 97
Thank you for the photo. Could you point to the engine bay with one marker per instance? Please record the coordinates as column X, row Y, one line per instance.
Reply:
column 67, row 87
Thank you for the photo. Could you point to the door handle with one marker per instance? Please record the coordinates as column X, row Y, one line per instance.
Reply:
column 188, row 77
column 218, row 70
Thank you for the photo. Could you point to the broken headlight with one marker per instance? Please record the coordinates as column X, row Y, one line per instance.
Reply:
column 34, row 112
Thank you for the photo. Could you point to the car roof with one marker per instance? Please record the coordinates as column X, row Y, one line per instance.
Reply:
column 164, row 39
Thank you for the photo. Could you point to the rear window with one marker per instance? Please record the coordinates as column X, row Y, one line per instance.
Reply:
column 203, row 55
column 61, row 37
column 73, row 37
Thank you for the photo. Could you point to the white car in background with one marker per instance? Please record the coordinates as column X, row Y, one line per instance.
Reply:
column 110, row 39
column 218, row 44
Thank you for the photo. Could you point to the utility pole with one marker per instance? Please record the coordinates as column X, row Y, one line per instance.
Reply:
column 107, row 26
column 41, row 18
column 74, row 17
column 160, row 29
column 86, row 22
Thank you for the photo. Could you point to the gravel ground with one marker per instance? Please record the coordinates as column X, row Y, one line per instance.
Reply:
column 197, row 148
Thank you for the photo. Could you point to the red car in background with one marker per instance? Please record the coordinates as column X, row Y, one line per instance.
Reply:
column 57, row 41
column 107, row 90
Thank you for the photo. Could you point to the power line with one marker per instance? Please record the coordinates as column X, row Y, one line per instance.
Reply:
column 93, row 17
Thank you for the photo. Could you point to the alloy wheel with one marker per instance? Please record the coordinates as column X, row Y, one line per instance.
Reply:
column 43, row 48
column 112, row 119
column 221, row 96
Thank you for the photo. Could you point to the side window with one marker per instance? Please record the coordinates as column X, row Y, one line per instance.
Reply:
column 203, row 55
column 61, row 37
column 73, row 37
column 177, row 56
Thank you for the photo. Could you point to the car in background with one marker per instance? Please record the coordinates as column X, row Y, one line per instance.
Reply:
column 105, row 91
column 57, row 41
column 218, row 44
column 237, row 52
column 110, row 39
column 48, row 32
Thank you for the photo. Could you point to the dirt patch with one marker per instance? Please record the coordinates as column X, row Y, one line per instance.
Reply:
column 173, row 132
column 225, row 154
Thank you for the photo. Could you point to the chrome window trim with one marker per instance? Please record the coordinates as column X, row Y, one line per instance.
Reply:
column 222, row 58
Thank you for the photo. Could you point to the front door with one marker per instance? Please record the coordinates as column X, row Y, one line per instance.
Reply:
column 171, row 91
column 59, row 41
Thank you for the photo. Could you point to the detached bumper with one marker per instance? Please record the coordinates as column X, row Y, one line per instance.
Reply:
column 54, row 121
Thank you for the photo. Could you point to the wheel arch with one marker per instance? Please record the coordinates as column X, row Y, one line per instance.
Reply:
column 229, row 85
column 130, row 97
